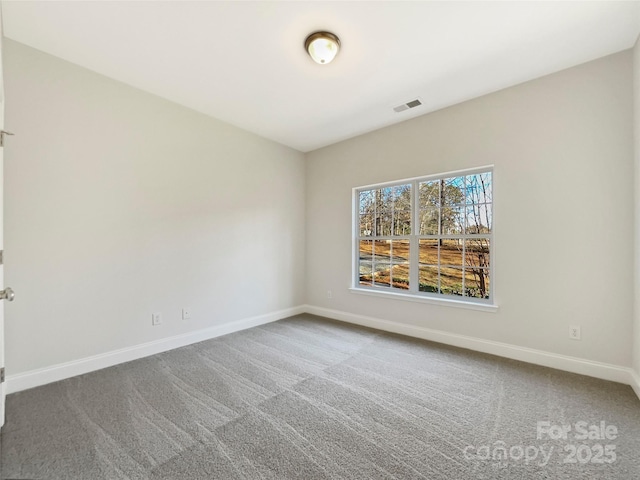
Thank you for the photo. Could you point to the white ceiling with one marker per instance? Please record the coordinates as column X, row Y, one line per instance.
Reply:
column 244, row 62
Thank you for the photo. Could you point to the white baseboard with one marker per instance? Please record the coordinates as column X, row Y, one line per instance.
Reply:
column 42, row 376
column 582, row 366
column 635, row 382
column 35, row 378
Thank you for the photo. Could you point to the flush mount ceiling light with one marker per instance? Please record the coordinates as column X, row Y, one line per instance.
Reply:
column 322, row 46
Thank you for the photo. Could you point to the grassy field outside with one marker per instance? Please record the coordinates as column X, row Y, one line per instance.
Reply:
column 385, row 263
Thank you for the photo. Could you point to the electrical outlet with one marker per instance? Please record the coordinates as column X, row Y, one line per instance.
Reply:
column 329, row 294
column 186, row 313
column 156, row 318
column 574, row 332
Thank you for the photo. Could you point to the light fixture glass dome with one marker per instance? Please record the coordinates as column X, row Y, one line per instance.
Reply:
column 322, row 46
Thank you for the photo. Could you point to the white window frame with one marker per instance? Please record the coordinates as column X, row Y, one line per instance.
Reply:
column 413, row 293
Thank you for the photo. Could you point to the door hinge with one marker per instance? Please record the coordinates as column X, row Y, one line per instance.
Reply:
column 1, row 257
column 2, row 375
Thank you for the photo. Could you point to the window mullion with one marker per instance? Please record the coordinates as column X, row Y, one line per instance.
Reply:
column 414, row 253
column 439, row 236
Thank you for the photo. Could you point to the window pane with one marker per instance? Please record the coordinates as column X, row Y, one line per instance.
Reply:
column 365, row 266
column 400, row 251
column 402, row 197
column 366, row 224
column 452, row 191
column 428, row 252
column 478, row 188
column 451, row 220
column 366, row 250
column 384, row 198
column 400, row 276
column 451, row 281
column 383, row 223
column 366, row 201
column 401, row 222
column 382, row 251
column 428, row 279
column 477, row 253
column 476, row 282
column 479, row 219
column 364, row 262
column 365, row 273
column 381, row 275
column 451, row 252
column 400, row 263
column 429, row 221
column 429, row 194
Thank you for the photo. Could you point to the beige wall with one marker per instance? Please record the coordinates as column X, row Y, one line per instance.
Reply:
column 562, row 147
column 636, row 104
column 120, row 204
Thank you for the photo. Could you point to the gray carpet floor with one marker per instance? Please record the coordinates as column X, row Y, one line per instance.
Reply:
column 310, row 398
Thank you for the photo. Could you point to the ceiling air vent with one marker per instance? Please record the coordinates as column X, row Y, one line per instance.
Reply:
column 407, row 106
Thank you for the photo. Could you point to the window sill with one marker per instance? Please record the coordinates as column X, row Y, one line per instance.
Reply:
column 445, row 302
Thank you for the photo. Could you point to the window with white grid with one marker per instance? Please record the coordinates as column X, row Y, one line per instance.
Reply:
column 428, row 236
